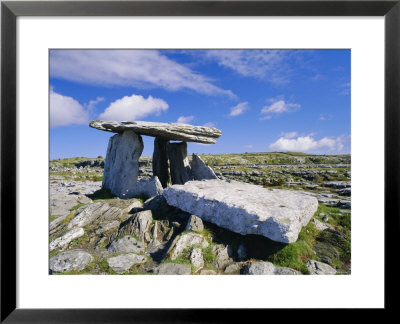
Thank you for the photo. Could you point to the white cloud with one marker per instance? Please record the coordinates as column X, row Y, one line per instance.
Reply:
column 133, row 68
column 308, row 143
column 209, row 124
column 289, row 135
column 133, row 107
column 66, row 111
column 249, row 146
column 185, row 119
column 270, row 65
column 278, row 106
column 93, row 103
column 239, row 109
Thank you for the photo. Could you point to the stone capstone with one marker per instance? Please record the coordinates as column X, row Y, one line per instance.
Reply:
column 124, row 262
column 179, row 163
column 69, row 261
column 320, row 268
column 121, row 168
column 172, row 131
column 244, row 208
column 267, row 268
column 200, row 170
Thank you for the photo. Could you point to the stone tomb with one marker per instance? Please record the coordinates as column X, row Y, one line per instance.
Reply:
column 170, row 162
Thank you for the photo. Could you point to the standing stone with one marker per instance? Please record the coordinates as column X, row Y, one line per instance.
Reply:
column 200, row 170
column 161, row 162
column 122, row 168
column 179, row 163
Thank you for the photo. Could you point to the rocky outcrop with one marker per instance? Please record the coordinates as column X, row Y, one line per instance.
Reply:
column 244, row 208
column 70, row 261
column 146, row 187
column 194, row 224
column 267, row 268
column 187, row 240
column 200, row 170
column 126, row 244
column 124, row 262
column 137, row 225
column 179, row 163
column 62, row 241
column 320, row 268
column 173, row 269
column 173, row 131
column 122, row 168
column 88, row 214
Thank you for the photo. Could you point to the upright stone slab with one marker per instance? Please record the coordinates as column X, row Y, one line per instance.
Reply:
column 161, row 162
column 121, row 168
column 200, row 170
column 179, row 163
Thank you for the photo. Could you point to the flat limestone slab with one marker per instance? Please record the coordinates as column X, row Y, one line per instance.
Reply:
column 172, row 131
column 244, row 208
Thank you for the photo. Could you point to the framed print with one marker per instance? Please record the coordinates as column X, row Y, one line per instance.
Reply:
column 229, row 139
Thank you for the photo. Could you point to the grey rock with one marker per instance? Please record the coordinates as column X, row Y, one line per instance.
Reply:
column 124, row 262
column 319, row 268
column 267, row 268
column 244, row 208
column 107, row 226
column 63, row 241
column 146, row 187
column 194, row 224
column 200, row 170
column 90, row 213
column 61, row 203
column 325, row 218
column 173, row 131
column 126, row 244
column 187, row 240
column 319, row 225
column 173, row 269
column 233, row 268
column 196, row 258
column 161, row 162
column 207, row 272
column 122, row 168
column 69, row 261
column 179, row 163
column 222, row 256
column 138, row 224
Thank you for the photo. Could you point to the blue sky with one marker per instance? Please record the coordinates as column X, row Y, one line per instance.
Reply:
column 261, row 100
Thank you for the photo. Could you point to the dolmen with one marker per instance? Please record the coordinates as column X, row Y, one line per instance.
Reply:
column 245, row 208
column 170, row 162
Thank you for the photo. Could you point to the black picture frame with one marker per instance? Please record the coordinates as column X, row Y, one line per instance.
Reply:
column 10, row 10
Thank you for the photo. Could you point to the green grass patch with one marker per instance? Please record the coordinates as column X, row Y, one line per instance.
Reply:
column 295, row 255
column 67, row 219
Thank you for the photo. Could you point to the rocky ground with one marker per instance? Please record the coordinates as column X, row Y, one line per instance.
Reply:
column 92, row 232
